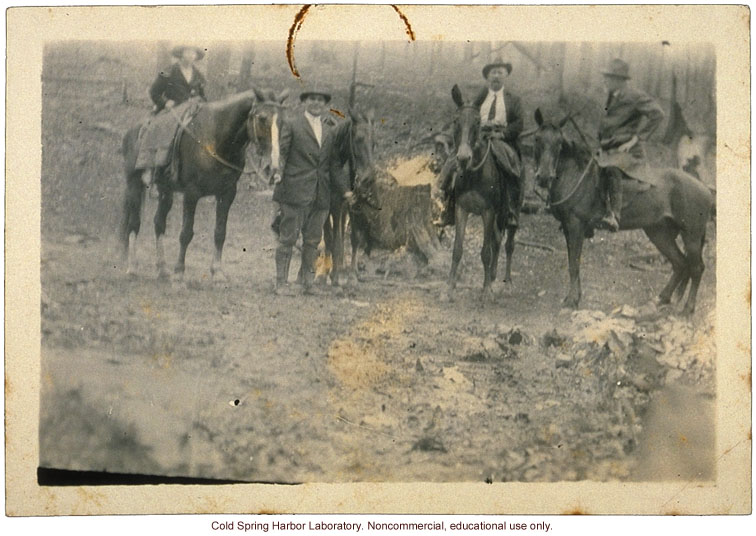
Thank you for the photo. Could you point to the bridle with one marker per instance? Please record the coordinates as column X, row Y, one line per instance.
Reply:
column 479, row 165
column 352, row 146
column 579, row 182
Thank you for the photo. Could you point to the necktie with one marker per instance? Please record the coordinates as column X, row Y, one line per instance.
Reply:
column 492, row 110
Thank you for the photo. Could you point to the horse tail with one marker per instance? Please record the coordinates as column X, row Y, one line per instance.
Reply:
column 131, row 209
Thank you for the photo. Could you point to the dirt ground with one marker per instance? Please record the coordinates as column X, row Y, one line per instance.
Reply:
column 384, row 381
column 379, row 382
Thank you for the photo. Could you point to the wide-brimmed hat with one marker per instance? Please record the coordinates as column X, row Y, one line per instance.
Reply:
column 178, row 51
column 303, row 96
column 618, row 69
column 497, row 63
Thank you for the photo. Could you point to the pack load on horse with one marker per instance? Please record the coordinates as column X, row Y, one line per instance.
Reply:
column 481, row 186
column 631, row 117
column 207, row 158
column 176, row 94
column 668, row 203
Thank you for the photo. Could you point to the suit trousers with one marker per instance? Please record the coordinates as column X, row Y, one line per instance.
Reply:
column 301, row 219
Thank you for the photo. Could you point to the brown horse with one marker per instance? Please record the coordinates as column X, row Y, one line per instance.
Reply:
column 677, row 204
column 479, row 190
column 210, row 157
column 354, row 146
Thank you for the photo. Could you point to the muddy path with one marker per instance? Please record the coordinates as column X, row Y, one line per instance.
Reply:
column 382, row 382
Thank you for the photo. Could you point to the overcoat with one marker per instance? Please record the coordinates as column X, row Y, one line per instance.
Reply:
column 629, row 112
column 309, row 172
column 171, row 85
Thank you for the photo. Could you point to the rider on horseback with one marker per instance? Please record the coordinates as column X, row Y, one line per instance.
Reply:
column 501, row 123
column 631, row 117
column 183, row 81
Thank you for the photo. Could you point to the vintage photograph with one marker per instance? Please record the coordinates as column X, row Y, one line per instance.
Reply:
column 402, row 260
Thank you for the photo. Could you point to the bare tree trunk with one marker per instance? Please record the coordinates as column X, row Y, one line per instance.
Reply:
column 245, row 70
column 558, row 57
column 217, row 71
column 163, row 57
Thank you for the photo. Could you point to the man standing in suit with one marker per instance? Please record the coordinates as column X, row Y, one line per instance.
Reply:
column 303, row 180
column 501, row 122
column 631, row 117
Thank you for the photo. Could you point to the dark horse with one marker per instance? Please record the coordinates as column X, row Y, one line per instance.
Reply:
column 354, row 146
column 478, row 189
column 678, row 205
column 210, row 158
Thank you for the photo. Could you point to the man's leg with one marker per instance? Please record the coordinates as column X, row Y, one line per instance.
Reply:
column 312, row 232
column 446, row 186
column 613, row 178
column 290, row 226
column 513, row 195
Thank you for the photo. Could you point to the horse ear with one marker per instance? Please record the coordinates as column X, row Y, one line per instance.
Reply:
column 259, row 95
column 457, row 96
column 538, row 117
column 283, row 96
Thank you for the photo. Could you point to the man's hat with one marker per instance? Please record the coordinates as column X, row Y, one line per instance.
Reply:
column 497, row 63
column 618, row 69
column 178, row 51
column 310, row 92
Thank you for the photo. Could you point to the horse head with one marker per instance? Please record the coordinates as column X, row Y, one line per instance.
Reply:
column 466, row 127
column 360, row 146
column 549, row 141
column 263, row 125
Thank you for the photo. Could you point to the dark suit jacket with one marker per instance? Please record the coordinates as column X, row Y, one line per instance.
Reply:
column 171, row 85
column 514, row 113
column 308, row 172
column 630, row 113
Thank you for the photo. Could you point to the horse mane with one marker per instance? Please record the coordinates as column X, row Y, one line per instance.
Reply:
column 232, row 100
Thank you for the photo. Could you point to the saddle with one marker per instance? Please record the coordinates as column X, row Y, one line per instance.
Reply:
column 160, row 135
column 634, row 169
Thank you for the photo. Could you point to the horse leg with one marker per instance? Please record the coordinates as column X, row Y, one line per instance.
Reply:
column 223, row 203
column 187, row 232
column 486, row 252
column 460, row 223
column 131, row 220
column 693, row 242
column 165, row 202
column 663, row 237
column 336, row 249
column 498, row 234
column 354, row 238
column 574, row 230
column 328, row 240
column 509, row 249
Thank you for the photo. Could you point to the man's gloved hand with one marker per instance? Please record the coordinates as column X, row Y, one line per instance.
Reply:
column 275, row 177
column 169, row 104
column 349, row 198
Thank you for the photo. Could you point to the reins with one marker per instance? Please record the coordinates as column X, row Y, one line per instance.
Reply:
column 575, row 188
column 483, row 160
column 212, row 153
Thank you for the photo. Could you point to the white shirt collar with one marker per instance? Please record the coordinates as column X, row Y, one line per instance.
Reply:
column 312, row 118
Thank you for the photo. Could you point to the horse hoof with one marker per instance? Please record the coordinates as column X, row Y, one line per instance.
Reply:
column 570, row 303
column 131, row 275
column 219, row 276
column 163, row 274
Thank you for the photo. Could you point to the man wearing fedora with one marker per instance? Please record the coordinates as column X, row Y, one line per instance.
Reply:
column 175, row 85
column 501, row 122
column 631, row 117
column 305, row 175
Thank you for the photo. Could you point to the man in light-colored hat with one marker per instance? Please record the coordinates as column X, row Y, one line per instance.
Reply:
column 631, row 117
column 304, row 178
column 501, row 121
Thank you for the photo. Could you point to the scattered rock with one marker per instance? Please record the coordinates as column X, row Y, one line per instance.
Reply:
column 419, row 366
column 554, row 338
column 429, row 444
column 563, row 360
